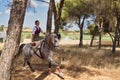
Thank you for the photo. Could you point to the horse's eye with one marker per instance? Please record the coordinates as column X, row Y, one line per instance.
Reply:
column 55, row 41
column 56, row 37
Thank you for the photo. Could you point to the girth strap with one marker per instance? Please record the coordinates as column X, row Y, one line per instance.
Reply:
column 36, row 53
column 41, row 54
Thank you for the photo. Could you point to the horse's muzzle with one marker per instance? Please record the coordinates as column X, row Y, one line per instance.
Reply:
column 56, row 47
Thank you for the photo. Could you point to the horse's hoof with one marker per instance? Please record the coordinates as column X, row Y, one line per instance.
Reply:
column 24, row 68
column 61, row 75
column 50, row 74
column 33, row 70
column 36, row 74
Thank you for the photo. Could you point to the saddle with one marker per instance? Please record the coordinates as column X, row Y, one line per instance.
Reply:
column 33, row 44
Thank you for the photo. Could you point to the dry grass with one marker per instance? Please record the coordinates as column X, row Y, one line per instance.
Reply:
column 84, row 62
column 87, row 63
column 1, row 46
column 74, row 56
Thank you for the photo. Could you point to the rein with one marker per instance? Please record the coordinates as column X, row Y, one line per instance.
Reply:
column 41, row 54
column 36, row 53
column 48, row 45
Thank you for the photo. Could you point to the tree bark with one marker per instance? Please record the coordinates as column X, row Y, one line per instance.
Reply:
column 49, row 18
column 11, row 45
column 57, row 16
column 91, row 42
column 118, row 43
column 118, row 39
column 93, row 35
column 115, row 38
column 100, row 34
column 99, row 40
column 110, row 36
column 81, row 32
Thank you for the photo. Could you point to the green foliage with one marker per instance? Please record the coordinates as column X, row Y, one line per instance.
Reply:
column 1, row 27
column 71, row 35
column 74, row 10
column 91, row 28
column 26, row 35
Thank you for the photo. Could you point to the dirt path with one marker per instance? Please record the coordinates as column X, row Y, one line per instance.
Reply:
column 40, row 74
column 83, row 73
column 86, row 73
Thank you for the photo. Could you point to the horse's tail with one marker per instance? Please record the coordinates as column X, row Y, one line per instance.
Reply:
column 20, row 49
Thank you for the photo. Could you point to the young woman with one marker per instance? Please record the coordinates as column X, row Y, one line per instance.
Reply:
column 36, row 31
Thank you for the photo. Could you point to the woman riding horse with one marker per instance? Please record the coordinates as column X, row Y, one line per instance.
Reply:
column 44, row 48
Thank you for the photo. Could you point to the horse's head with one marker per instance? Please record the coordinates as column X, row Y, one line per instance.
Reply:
column 52, row 41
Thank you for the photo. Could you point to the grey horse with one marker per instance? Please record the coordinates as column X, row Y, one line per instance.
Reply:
column 43, row 49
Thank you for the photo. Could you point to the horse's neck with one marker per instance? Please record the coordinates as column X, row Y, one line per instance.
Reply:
column 46, row 46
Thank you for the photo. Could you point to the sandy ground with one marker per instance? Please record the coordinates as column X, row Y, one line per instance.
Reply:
column 85, row 72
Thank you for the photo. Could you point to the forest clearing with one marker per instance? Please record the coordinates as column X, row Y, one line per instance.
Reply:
column 76, row 63
column 87, row 63
column 88, row 32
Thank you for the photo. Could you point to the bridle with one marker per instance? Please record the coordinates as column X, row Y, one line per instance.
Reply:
column 54, row 46
column 42, row 45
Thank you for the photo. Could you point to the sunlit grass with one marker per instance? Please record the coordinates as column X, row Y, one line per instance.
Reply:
column 72, row 56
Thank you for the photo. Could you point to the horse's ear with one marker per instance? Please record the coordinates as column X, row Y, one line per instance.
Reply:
column 59, row 36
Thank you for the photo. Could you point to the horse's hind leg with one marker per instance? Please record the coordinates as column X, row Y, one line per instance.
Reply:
column 25, row 60
column 30, row 66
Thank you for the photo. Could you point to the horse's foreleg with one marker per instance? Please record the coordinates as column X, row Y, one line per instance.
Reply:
column 58, row 69
column 51, row 61
column 24, row 63
column 49, row 69
column 30, row 66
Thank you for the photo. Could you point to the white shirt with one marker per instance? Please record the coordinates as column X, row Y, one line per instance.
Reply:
column 34, row 29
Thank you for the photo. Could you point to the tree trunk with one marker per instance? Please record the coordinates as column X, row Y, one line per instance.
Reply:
column 81, row 37
column 115, row 38
column 55, row 15
column 118, row 43
column 118, row 39
column 58, row 16
column 110, row 36
column 100, row 34
column 81, row 33
column 91, row 42
column 99, row 40
column 49, row 18
column 11, row 45
column 93, row 35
